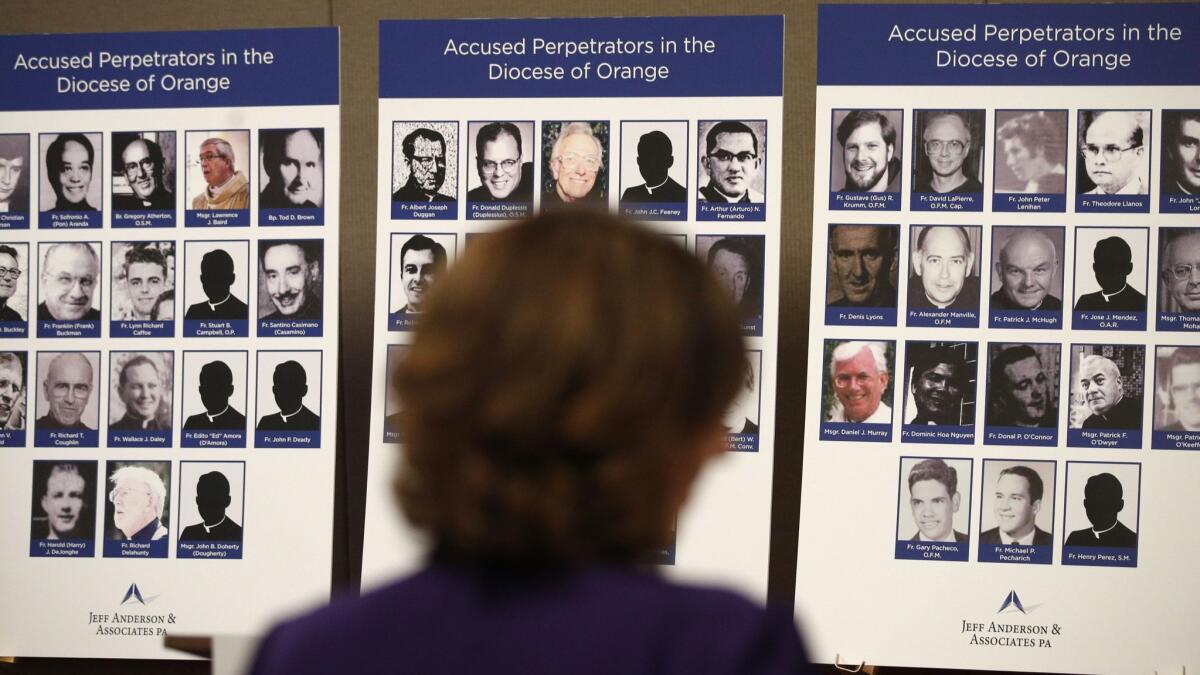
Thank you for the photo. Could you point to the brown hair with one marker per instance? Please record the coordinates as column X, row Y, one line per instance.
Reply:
column 556, row 390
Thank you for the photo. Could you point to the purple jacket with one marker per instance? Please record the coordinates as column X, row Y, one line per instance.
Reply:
column 604, row 621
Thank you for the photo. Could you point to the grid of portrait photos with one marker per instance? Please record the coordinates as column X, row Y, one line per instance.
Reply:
column 994, row 285
column 163, row 296
column 701, row 182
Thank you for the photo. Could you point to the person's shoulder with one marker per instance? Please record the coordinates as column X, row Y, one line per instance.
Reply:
column 991, row 536
column 1082, row 537
column 193, row 532
column 1088, row 301
column 1051, row 302
column 1041, row 537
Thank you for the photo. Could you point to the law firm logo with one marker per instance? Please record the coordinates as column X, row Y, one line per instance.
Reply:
column 134, row 594
column 1013, row 601
column 132, row 621
column 1016, row 632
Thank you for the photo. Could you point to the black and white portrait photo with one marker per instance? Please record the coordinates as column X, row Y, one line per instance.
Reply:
column 211, row 502
column 1017, row 503
column 935, row 500
column 393, row 418
column 742, row 418
column 218, row 170
column 732, row 161
column 417, row 262
column 862, row 270
column 502, row 156
column 14, row 287
column 291, row 168
column 143, row 281
column 865, row 151
column 1031, row 152
column 69, row 280
column 940, row 379
column 1177, row 389
column 143, row 171
column 14, row 385
column 290, row 279
column 654, row 162
column 14, row 178
column 1180, row 153
column 1110, row 269
column 1027, row 268
column 1023, row 385
column 424, row 162
column 1102, row 506
column 67, row 391
column 141, row 387
column 1114, row 152
column 575, row 163
column 288, row 391
column 1107, row 386
column 64, row 501
column 736, row 261
column 214, row 390
column 948, row 151
column 217, row 280
column 1179, row 271
column 138, row 504
column 69, row 162
column 944, row 267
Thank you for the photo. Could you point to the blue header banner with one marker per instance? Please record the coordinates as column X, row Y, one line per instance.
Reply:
column 1093, row 44
column 550, row 58
column 193, row 69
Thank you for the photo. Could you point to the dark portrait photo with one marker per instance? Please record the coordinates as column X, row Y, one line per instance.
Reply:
column 291, row 168
column 393, row 417
column 70, row 281
column 940, row 383
column 15, row 273
column 935, row 499
column 424, row 161
column 1177, row 389
column 944, row 267
column 14, row 385
column 1102, row 504
column 14, row 173
column 732, row 161
column 289, row 391
column 1179, row 270
column 138, row 501
column 1180, row 153
column 1027, row 268
column 141, row 387
column 575, row 163
column 217, row 281
column 68, row 397
column 862, row 267
column 654, row 162
column 143, row 281
column 948, row 151
column 1107, row 386
column 1022, row 385
column 214, row 390
column 1031, row 152
column 1114, row 152
column 865, row 151
column 859, row 381
column 289, row 279
column 211, row 498
column 143, row 170
column 64, row 500
column 737, row 263
column 502, row 155
column 1110, row 269
column 218, row 169
column 69, row 162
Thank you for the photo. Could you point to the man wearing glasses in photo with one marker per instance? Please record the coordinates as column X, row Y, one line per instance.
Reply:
column 1180, row 272
column 10, row 272
column 1111, row 145
column 503, row 176
column 731, row 161
column 69, row 273
column 142, row 165
column 575, row 163
column 946, row 141
column 227, row 187
column 425, row 156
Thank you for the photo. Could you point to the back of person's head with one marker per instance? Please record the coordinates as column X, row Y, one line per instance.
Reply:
column 564, row 387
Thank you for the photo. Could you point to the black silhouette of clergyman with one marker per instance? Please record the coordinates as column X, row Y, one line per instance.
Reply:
column 216, row 276
column 655, row 157
column 1103, row 499
column 291, row 385
column 216, row 386
column 212, row 498
column 1112, row 262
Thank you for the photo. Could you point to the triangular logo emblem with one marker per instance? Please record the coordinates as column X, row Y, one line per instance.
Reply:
column 1012, row 601
column 134, row 593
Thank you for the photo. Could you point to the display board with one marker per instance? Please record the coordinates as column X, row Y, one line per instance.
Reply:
column 168, row 260
column 1004, row 401
column 485, row 121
